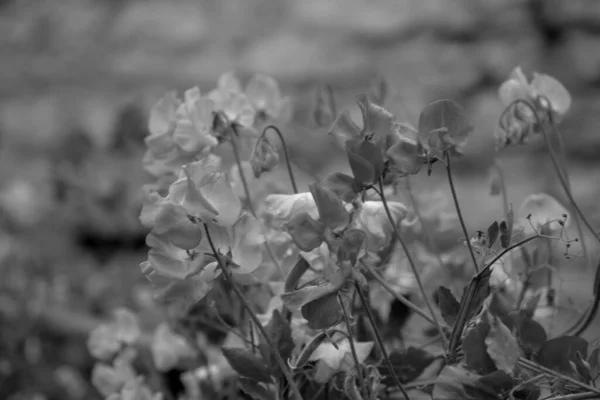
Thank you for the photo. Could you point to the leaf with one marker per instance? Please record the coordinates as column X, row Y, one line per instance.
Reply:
column 352, row 246
column 363, row 170
column 492, row 233
column 280, row 333
column 324, row 108
column 557, row 353
column 476, row 356
column 323, row 312
column 307, row 233
column 455, row 383
column 245, row 363
column 298, row 298
column 342, row 185
column 408, row 364
column 482, row 291
column 255, row 390
column 296, row 274
column 309, row 349
column 367, row 150
column 501, row 346
column 530, row 334
column 331, row 210
column 506, row 228
column 499, row 381
column 594, row 358
column 448, row 304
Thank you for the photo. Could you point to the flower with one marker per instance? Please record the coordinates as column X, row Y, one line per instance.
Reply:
column 229, row 99
column 243, row 241
column 281, row 208
column 542, row 212
column 193, row 131
column 264, row 156
column 264, row 94
column 443, row 129
column 109, row 379
column 168, row 348
column 544, row 92
column 332, row 358
column 107, row 339
column 171, row 261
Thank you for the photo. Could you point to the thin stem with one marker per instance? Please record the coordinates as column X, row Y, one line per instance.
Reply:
column 359, row 371
column 460, row 217
column 282, row 365
column 565, row 171
column 285, row 154
column 380, row 341
column 414, row 308
column 238, row 161
column 410, row 261
column 576, row 396
column 536, row 367
column 508, row 249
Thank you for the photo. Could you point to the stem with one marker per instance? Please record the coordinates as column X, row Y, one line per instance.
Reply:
column 282, row 365
column 414, row 308
column 536, row 367
column 359, row 371
column 238, row 161
column 410, row 261
column 380, row 341
column 563, row 164
column 285, row 153
column 506, row 250
column 577, row 396
column 460, row 217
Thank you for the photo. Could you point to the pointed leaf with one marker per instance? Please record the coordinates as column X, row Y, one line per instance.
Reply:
column 363, row 171
column 367, row 150
column 331, row 210
column 323, row 313
column 342, row 185
column 492, row 233
column 296, row 274
column 447, row 304
column 245, row 363
column 307, row 233
column 530, row 334
column 501, row 346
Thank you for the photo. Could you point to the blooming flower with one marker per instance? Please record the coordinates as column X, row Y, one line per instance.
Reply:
column 171, row 261
column 544, row 92
column 543, row 212
column 193, row 130
column 229, row 99
column 264, row 94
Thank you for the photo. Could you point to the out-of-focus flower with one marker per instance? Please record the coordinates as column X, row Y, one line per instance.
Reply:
column 169, row 349
column 107, row 339
column 542, row 212
column 543, row 92
column 264, row 156
column 109, row 379
column 264, row 94
column 194, row 121
column 229, row 99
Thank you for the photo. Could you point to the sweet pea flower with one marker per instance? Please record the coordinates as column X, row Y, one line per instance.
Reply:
column 282, row 207
column 171, row 261
column 109, row 379
column 169, row 349
column 229, row 99
column 193, row 130
column 107, row 339
column 543, row 92
column 542, row 212
column 264, row 94
column 206, row 194
column 243, row 241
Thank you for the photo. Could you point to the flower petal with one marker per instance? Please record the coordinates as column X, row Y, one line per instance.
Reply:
column 263, row 92
column 554, row 91
column 162, row 115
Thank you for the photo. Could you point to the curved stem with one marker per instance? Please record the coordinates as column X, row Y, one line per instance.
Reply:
column 411, row 262
column 398, row 296
column 282, row 365
column 460, row 217
column 380, row 341
column 238, row 161
column 359, row 372
column 285, row 154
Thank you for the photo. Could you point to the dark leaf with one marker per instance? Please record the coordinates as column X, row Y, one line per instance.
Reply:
column 557, row 353
column 482, row 291
column 295, row 274
column 331, row 209
column 448, row 304
column 530, row 334
column 245, row 363
column 343, row 185
column 369, row 151
column 323, row 312
column 408, row 364
column 492, row 233
column 456, row 383
column 255, row 390
column 594, row 358
column 498, row 381
column 307, row 233
column 476, row 356
column 363, row 170
column 280, row 333
column 506, row 228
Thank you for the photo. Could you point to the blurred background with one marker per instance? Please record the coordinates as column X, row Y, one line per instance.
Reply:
column 77, row 79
